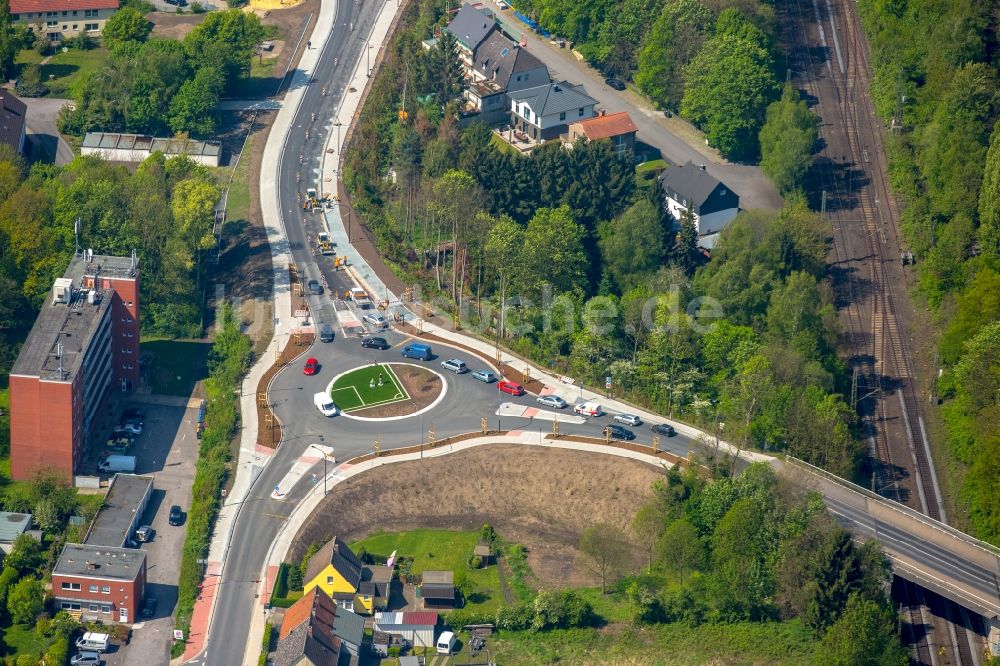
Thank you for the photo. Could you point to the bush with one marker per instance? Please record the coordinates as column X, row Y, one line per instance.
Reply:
column 58, row 653
column 514, row 618
column 294, row 578
column 197, row 7
column 29, row 84
column 561, row 610
column 459, row 618
column 281, row 581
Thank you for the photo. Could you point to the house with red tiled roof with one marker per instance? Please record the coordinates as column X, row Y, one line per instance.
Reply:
column 307, row 636
column 59, row 19
column 616, row 127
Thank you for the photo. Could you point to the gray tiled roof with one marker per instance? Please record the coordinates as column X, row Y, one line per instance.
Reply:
column 343, row 559
column 471, row 26
column 554, row 98
column 691, row 182
column 348, row 626
column 307, row 641
column 497, row 57
column 12, row 118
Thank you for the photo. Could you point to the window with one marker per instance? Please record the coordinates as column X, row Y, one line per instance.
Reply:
column 90, row 13
column 70, row 586
column 105, row 608
column 15, row 17
column 562, row 115
column 329, row 580
column 65, row 13
column 504, row 52
column 92, row 588
column 52, row 13
column 92, row 27
column 76, row 26
column 69, row 605
column 581, row 112
column 128, row 303
column 64, row 27
column 92, row 608
column 129, row 334
column 105, row 589
column 52, row 24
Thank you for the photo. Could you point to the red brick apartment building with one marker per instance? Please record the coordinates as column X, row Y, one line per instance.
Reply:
column 85, row 342
column 100, row 582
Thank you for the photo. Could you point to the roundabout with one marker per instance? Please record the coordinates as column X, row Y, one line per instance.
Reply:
column 386, row 391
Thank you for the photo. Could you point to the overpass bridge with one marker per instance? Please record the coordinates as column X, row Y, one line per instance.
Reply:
column 922, row 550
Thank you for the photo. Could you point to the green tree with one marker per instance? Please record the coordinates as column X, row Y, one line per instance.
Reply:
column 126, row 25
column 729, row 85
column 226, row 41
column 742, row 546
column 504, row 244
column 648, row 525
column 26, row 600
column 447, row 70
column 8, row 39
column 787, row 140
column 977, row 305
column 671, row 44
column 605, row 551
column 632, row 245
column 192, row 110
column 680, row 549
column 865, row 635
column 989, row 198
column 553, row 252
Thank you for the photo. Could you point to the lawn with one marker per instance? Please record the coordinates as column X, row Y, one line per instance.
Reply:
column 367, row 387
column 21, row 639
column 67, row 68
column 176, row 365
column 441, row 550
column 262, row 81
column 743, row 644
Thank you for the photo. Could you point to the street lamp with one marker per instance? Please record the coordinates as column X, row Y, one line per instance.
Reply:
column 368, row 54
column 324, row 466
column 337, row 124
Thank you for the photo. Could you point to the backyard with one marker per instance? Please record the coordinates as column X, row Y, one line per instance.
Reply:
column 65, row 68
column 441, row 550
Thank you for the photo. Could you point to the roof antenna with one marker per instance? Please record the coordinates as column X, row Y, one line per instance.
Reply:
column 76, row 234
column 59, row 355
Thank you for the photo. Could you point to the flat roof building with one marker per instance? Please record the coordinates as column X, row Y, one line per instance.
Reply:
column 117, row 147
column 85, row 341
column 121, row 512
column 100, row 583
column 12, row 525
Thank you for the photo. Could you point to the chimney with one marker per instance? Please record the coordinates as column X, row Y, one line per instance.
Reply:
column 602, row 112
column 701, row 166
column 556, row 89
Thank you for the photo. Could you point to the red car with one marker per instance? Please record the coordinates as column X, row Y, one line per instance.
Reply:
column 311, row 367
column 511, row 387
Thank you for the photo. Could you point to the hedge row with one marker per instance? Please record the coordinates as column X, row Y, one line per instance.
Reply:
column 228, row 362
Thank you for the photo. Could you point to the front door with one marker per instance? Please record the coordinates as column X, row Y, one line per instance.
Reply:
column 123, row 615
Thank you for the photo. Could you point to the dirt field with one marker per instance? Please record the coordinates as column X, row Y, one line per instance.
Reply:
column 542, row 498
column 422, row 385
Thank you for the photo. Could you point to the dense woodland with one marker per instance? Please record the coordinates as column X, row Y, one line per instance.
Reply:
column 936, row 82
column 597, row 281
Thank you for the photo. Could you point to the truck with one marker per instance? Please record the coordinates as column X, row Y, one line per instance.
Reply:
column 360, row 298
column 117, row 463
column 312, row 203
column 324, row 244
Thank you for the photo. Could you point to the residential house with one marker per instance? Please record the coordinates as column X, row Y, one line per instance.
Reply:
column 418, row 627
column 58, row 19
column 499, row 66
column 375, row 589
column 437, row 588
column 99, row 582
column 12, row 525
column 307, row 637
column 13, row 121
column 617, row 128
column 349, row 627
column 543, row 112
column 470, row 27
column 336, row 570
column 711, row 202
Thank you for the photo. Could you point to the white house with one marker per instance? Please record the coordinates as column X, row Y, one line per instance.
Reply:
column 543, row 112
column 691, row 187
column 418, row 627
column 58, row 19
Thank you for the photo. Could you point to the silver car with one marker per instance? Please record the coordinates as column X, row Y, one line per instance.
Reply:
column 86, row 659
column 455, row 365
column 551, row 401
column 628, row 419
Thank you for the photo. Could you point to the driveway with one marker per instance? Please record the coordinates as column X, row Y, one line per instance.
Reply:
column 167, row 450
column 43, row 142
column 676, row 139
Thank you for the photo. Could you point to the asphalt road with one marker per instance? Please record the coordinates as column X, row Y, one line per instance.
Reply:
column 261, row 517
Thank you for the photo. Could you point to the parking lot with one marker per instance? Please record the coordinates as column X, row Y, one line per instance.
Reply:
column 166, row 450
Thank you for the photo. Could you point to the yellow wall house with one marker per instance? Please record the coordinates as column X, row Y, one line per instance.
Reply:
column 336, row 570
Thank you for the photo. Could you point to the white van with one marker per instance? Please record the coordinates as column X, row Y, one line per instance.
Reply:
column 324, row 404
column 588, row 409
column 446, row 642
column 93, row 641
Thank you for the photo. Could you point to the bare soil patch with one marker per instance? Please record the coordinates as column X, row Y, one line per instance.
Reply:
column 422, row 385
column 173, row 26
column 542, row 498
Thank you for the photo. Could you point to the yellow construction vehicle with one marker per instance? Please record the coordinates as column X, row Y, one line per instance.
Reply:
column 324, row 244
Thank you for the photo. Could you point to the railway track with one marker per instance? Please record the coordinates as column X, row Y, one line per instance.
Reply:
column 867, row 260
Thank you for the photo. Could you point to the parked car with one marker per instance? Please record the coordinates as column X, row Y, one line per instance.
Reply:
column 511, row 387
column 484, row 376
column 615, row 83
column 176, row 516
column 93, row 641
column 149, row 607
column 618, row 432
column 376, row 321
column 311, row 367
column 145, row 534
column 551, row 401
column 664, row 429
column 315, row 288
column 455, row 365
column 127, row 429
column 374, row 343
column 86, row 659
column 628, row 419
